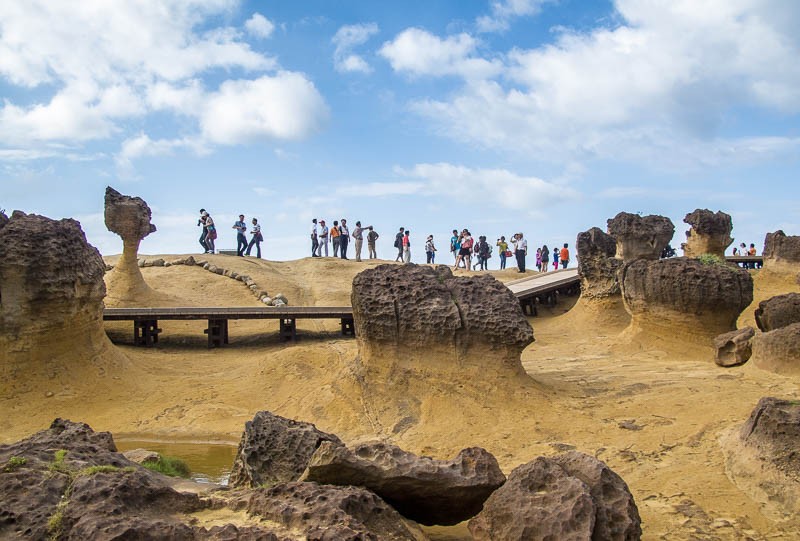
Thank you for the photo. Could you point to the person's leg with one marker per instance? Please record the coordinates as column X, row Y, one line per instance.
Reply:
column 359, row 244
column 314, row 245
column 343, row 247
column 258, row 249
column 203, row 240
column 210, row 243
column 250, row 246
column 433, row 258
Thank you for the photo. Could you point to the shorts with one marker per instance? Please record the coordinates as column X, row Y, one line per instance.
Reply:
column 465, row 252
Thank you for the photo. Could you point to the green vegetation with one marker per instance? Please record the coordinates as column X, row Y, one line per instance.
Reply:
column 711, row 259
column 58, row 465
column 104, row 468
column 14, row 463
column 168, row 465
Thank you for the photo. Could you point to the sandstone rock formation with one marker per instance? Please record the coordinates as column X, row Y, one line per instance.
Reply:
column 640, row 237
column 423, row 489
column 3, row 219
column 128, row 217
column 410, row 312
column 69, row 482
column 762, row 456
column 51, row 298
column 274, row 449
column 777, row 312
column 710, row 233
column 781, row 252
column 734, row 348
column 597, row 264
column 681, row 297
column 779, row 350
column 572, row 496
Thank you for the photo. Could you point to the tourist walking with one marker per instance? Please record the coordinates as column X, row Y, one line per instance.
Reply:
column 211, row 233
column 372, row 236
column 455, row 244
column 520, row 250
column 344, row 238
column 539, row 259
column 335, row 240
column 256, row 239
column 502, row 247
column 398, row 243
column 465, row 252
column 241, row 235
column 564, row 256
column 358, row 236
column 545, row 257
column 323, row 238
column 555, row 258
column 430, row 251
column 314, row 238
column 201, row 222
column 407, row 246
column 484, row 253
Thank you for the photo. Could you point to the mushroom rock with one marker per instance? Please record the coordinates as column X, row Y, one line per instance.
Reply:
column 421, row 316
column 51, row 297
column 781, row 252
column 128, row 217
column 640, row 237
column 685, row 297
column 710, row 233
column 597, row 264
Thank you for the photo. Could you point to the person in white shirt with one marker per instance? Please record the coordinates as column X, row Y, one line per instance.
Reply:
column 256, row 240
column 314, row 238
column 323, row 238
column 520, row 250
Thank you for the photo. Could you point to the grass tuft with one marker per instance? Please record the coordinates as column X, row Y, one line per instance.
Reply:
column 15, row 463
column 168, row 465
column 711, row 259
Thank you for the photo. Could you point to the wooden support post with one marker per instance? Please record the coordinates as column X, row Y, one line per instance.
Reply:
column 217, row 332
column 348, row 326
column 528, row 305
column 288, row 329
column 145, row 332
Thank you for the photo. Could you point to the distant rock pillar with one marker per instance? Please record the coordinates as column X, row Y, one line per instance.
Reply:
column 710, row 233
column 781, row 252
column 128, row 217
column 640, row 237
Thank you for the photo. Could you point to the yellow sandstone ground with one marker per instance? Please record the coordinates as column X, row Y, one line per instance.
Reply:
column 651, row 411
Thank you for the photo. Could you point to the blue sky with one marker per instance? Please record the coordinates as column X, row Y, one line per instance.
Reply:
column 541, row 116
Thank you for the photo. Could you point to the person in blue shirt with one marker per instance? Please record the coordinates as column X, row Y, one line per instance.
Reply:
column 241, row 239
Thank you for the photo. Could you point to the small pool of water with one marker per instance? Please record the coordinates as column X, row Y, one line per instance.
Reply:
column 209, row 462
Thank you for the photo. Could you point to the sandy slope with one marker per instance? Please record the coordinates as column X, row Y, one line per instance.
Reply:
column 649, row 411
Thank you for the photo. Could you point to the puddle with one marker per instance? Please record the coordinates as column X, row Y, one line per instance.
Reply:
column 209, row 462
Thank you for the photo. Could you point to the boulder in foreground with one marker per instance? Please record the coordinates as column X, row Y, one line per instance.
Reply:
column 428, row 491
column 734, row 348
column 778, row 311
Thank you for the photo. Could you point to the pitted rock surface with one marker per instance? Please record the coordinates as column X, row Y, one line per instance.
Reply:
column 734, row 348
column 640, row 237
column 274, row 449
column 3, row 220
column 781, row 250
column 428, row 491
column 708, row 296
column 777, row 312
column 406, row 309
column 710, row 233
column 571, row 496
column 779, row 350
column 597, row 264
column 773, row 431
column 331, row 513
column 51, row 285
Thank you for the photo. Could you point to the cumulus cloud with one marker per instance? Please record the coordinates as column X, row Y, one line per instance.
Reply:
column 380, row 189
column 259, row 26
column 346, row 39
column 503, row 11
column 418, row 52
column 654, row 89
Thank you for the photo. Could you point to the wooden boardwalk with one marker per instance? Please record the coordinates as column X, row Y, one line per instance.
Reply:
column 543, row 287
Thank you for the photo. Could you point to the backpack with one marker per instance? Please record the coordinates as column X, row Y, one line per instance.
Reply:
column 398, row 240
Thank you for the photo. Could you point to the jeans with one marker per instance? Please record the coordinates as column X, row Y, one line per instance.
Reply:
column 343, row 240
column 430, row 257
column 314, row 246
column 502, row 260
column 359, row 244
column 257, row 244
column 241, row 243
column 564, row 263
column 203, row 236
column 520, row 260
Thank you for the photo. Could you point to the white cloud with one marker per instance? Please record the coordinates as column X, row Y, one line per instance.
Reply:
column 659, row 88
column 286, row 106
column 418, row 52
column 379, row 189
column 347, row 38
column 142, row 146
column 502, row 11
column 259, row 26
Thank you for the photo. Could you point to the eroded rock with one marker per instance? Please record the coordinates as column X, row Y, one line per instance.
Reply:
column 410, row 312
column 128, row 217
column 781, row 252
column 779, row 350
column 274, row 450
column 734, row 348
column 572, row 496
column 597, row 264
column 777, row 312
column 710, row 233
column 640, row 237
column 685, row 295
column 423, row 489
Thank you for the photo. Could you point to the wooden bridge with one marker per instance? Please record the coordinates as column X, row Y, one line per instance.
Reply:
column 543, row 287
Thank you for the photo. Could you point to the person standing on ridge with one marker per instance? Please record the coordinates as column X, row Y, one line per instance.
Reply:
column 407, row 247
column 372, row 236
column 520, row 250
column 203, row 231
column 256, row 239
column 241, row 237
column 323, row 238
column 335, row 240
column 358, row 235
column 398, row 243
column 344, row 238
column 502, row 248
column 545, row 257
column 314, row 239
column 211, row 233
column 555, row 258
column 564, row 256
column 430, row 251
